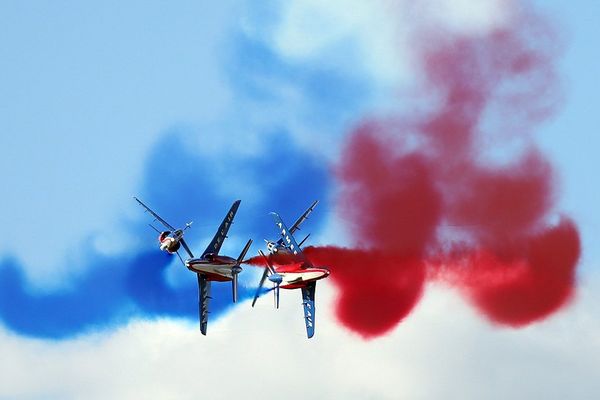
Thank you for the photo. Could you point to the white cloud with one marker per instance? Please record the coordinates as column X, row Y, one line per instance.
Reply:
column 442, row 350
column 311, row 29
column 383, row 31
column 465, row 16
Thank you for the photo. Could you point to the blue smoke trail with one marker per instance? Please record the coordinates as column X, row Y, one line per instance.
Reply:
column 326, row 97
column 183, row 185
column 116, row 288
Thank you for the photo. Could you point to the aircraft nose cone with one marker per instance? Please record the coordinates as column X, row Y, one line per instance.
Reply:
column 190, row 261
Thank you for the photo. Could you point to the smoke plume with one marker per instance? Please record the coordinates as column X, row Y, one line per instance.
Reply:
column 440, row 194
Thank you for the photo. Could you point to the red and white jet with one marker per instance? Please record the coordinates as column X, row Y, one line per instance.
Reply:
column 171, row 239
column 295, row 271
column 210, row 266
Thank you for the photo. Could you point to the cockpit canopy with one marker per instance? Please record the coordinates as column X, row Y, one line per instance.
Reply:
column 163, row 235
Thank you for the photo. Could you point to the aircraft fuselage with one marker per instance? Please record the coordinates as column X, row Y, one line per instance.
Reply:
column 293, row 276
column 170, row 241
column 216, row 268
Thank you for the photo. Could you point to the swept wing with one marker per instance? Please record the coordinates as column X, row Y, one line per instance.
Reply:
column 203, row 298
column 217, row 241
column 156, row 216
column 303, row 217
column 308, row 301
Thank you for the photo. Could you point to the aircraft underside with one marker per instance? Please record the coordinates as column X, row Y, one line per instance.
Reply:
column 293, row 280
column 213, row 272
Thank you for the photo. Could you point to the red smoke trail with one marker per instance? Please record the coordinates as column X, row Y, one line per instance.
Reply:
column 377, row 289
column 421, row 198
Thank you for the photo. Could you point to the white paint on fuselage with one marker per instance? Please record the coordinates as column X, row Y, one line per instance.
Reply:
column 206, row 267
column 290, row 278
column 281, row 250
column 167, row 243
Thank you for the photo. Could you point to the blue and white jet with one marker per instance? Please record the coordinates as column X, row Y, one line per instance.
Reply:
column 292, row 270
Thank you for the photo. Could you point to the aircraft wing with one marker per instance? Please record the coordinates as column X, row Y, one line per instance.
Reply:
column 308, row 301
column 186, row 247
column 217, row 241
column 155, row 215
column 286, row 236
column 203, row 298
column 303, row 217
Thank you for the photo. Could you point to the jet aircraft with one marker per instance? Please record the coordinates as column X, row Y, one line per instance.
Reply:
column 211, row 266
column 298, row 273
column 171, row 239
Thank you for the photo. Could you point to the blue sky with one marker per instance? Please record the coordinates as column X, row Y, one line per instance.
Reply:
column 571, row 138
column 86, row 95
column 89, row 92
column 100, row 101
column 106, row 121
